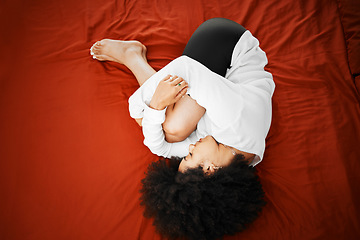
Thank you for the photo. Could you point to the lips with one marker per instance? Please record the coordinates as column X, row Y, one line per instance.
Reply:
column 198, row 142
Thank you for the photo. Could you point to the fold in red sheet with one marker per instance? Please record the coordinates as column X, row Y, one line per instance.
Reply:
column 71, row 158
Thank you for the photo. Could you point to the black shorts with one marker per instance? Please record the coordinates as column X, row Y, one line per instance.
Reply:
column 213, row 42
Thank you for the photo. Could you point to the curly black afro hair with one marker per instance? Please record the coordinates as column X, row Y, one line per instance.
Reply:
column 193, row 205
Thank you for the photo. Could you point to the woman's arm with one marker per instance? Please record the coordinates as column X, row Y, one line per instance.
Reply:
column 182, row 113
column 169, row 91
column 181, row 119
column 154, row 137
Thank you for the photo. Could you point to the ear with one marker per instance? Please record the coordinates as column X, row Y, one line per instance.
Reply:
column 209, row 168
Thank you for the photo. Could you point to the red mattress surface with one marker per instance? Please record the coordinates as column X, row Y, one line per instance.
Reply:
column 71, row 158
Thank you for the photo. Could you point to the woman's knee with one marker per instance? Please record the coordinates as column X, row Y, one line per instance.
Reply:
column 222, row 26
column 181, row 119
column 175, row 131
column 213, row 42
column 174, row 138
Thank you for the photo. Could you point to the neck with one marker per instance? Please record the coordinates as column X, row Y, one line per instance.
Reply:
column 247, row 156
column 225, row 156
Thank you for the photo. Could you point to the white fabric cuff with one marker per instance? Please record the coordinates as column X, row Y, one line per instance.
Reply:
column 154, row 116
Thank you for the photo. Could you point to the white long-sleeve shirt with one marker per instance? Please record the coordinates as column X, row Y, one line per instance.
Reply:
column 238, row 107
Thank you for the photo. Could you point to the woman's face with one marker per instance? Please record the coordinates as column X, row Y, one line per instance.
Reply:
column 207, row 154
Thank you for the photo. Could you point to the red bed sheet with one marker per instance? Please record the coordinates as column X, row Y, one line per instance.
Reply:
column 71, row 158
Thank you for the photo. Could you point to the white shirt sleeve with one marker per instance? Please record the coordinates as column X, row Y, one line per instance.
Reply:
column 153, row 119
column 248, row 61
column 155, row 137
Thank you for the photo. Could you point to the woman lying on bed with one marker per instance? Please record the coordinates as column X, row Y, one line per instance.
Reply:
column 210, row 111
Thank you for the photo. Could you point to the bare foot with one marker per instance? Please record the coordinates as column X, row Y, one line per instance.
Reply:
column 117, row 51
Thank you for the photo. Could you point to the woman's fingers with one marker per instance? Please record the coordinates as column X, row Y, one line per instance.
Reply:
column 169, row 90
column 181, row 85
column 175, row 81
column 179, row 82
column 168, row 78
column 171, row 78
column 181, row 94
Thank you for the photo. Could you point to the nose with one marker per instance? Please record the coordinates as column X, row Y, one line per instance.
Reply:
column 191, row 147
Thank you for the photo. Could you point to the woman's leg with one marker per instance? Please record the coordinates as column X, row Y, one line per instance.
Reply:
column 130, row 53
column 133, row 55
column 212, row 45
column 213, row 42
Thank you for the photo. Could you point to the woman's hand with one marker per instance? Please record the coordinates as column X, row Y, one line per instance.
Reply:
column 169, row 91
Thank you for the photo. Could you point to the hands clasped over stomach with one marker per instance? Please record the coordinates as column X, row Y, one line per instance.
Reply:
column 169, row 90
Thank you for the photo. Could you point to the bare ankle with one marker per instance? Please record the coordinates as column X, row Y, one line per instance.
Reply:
column 133, row 59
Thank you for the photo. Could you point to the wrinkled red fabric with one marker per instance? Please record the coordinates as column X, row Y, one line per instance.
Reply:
column 71, row 158
column 349, row 12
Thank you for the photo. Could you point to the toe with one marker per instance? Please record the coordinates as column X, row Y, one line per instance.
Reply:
column 92, row 49
column 100, row 57
column 97, row 48
column 96, row 51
